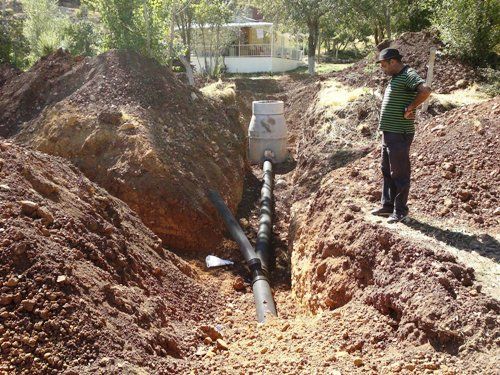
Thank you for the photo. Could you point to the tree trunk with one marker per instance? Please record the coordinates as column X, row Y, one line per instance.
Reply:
column 171, row 37
column 313, row 27
column 189, row 70
column 147, row 21
column 387, row 13
column 318, row 42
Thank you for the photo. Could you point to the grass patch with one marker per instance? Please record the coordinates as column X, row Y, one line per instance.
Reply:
column 458, row 98
column 335, row 95
column 220, row 90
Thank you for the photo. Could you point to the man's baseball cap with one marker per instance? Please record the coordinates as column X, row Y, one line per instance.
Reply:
column 389, row 53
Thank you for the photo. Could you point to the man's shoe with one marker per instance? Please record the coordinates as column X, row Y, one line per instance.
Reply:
column 384, row 211
column 396, row 218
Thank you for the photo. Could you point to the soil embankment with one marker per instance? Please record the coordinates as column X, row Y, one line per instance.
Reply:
column 84, row 285
column 137, row 131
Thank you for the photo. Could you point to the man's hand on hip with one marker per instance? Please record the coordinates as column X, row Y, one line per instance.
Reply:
column 409, row 113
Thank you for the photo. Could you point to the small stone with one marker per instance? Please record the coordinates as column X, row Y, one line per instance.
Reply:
column 207, row 341
column 348, row 217
column 264, row 350
column 12, row 282
column 239, row 284
column 448, row 202
column 221, row 345
column 200, row 352
column 467, row 208
column 5, row 187
column 430, row 366
column 464, row 195
column 281, row 183
column 61, row 279
column 28, row 305
column 409, row 366
column 354, row 208
column 447, row 166
column 210, row 353
column 210, row 332
column 46, row 216
column 28, row 208
column 6, row 299
column 358, row 362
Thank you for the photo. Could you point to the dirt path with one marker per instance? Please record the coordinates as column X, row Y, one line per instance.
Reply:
column 477, row 250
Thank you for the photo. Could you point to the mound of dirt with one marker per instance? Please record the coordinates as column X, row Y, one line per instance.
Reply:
column 137, row 131
column 84, row 285
column 23, row 96
column 449, row 73
column 395, row 287
column 7, row 72
column 456, row 171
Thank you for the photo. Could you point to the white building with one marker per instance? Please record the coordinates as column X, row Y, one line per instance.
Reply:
column 254, row 46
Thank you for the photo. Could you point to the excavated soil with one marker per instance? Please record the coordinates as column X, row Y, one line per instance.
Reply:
column 7, row 72
column 354, row 295
column 449, row 73
column 85, row 286
column 365, row 297
column 137, row 131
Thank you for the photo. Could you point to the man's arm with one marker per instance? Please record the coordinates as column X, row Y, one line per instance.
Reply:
column 423, row 92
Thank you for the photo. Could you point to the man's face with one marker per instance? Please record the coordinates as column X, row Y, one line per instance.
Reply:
column 387, row 66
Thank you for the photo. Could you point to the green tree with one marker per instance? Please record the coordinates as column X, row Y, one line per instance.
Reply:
column 44, row 27
column 139, row 25
column 210, row 36
column 301, row 14
column 83, row 34
column 470, row 28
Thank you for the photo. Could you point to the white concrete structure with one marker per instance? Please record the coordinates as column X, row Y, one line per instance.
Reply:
column 267, row 132
column 250, row 64
column 256, row 47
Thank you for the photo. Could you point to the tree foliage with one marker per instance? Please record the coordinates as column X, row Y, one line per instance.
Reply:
column 470, row 28
column 140, row 25
column 210, row 37
column 44, row 27
column 84, row 36
column 300, row 14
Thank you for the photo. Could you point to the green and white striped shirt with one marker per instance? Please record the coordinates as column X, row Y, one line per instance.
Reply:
column 400, row 92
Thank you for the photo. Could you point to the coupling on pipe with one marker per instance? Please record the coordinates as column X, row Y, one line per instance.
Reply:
column 261, row 287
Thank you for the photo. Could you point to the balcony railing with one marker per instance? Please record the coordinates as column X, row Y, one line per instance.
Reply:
column 263, row 50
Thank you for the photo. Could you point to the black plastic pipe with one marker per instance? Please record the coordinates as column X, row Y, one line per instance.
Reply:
column 262, row 247
column 264, row 302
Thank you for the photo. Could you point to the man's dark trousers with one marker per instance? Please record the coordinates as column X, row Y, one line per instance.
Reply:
column 396, row 169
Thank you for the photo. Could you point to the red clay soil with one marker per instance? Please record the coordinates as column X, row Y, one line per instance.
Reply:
column 456, row 165
column 449, row 73
column 137, row 131
column 366, row 298
column 400, row 292
column 85, row 287
column 23, row 96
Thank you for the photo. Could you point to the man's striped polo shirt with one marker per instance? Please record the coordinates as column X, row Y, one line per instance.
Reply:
column 400, row 92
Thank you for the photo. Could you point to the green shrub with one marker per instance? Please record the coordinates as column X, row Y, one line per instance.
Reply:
column 470, row 28
column 491, row 81
column 84, row 36
column 44, row 27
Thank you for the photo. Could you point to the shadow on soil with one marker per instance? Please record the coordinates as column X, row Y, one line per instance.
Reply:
column 485, row 245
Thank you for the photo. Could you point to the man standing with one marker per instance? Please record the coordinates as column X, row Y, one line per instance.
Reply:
column 404, row 93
